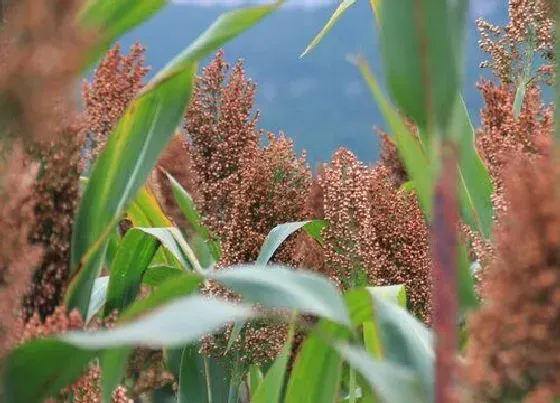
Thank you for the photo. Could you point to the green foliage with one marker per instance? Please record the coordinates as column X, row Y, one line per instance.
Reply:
column 282, row 231
column 339, row 12
column 133, row 148
column 133, row 257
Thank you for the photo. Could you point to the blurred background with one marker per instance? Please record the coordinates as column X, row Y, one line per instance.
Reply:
column 320, row 101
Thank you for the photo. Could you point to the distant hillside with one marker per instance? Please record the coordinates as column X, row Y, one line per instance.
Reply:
column 320, row 100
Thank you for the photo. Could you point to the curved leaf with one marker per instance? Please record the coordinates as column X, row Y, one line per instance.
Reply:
column 174, row 288
column 390, row 383
column 182, row 321
column 133, row 148
column 340, row 10
column 188, row 208
column 281, row 232
column 280, row 287
column 110, row 19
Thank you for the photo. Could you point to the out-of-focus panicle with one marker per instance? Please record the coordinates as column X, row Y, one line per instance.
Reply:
column 43, row 50
column 18, row 257
column 115, row 83
column 514, row 344
column 56, row 195
column 531, row 24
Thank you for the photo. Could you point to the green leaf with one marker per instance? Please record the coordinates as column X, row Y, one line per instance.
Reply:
column 156, row 275
column 110, row 19
column 133, row 257
column 98, row 296
column 254, row 378
column 145, row 211
column 192, row 379
column 172, row 289
column 395, row 294
column 202, row 379
column 468, row 299
column 340, row 10
column 270, row 390
column 172, row 239
column 30, row 374
column 417, row 44
column 316, row 374
column 406, row 341
column 476, row 185
column 281, row 287
column 112, row 364
column 281, row 232
column 179, row 322
column 412, row 152
column 390, row 383
column 133, row 148
column 188, row 208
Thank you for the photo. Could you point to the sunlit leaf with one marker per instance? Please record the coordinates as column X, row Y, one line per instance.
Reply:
column 339, row 12
column 133, row 148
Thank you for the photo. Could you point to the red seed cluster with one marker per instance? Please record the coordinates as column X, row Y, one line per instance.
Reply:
column 531, row 25
column 376, row 233
column 116, row 81
column 56, row 195
column 18, row 256
column 514, row 339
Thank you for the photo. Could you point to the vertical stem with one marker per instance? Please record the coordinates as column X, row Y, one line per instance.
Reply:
column 445, row 254
column 557, row 73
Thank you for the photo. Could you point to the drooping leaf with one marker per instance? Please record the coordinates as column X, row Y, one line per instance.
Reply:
column 281, row 287
column 172, row 239
column 171, row 289
column 133, row 148
column 389, row 382
column 281, row 232
column 179, row 322
column 339, row 12
column 133, row 257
